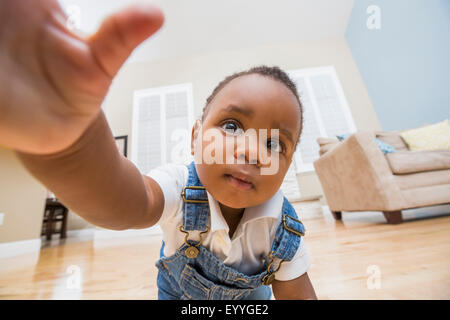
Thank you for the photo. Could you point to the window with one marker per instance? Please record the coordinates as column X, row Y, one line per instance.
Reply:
column 326, row 112
column 162, row 123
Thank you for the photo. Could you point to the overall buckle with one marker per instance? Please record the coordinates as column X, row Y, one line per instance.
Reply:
column 270, row 276
column 298, row 233
column 192, row 250
column 183, row 194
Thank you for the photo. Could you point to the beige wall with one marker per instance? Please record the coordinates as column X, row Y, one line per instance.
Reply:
column 22, row 198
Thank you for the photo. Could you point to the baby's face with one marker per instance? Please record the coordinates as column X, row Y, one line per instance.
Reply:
column 227, row 134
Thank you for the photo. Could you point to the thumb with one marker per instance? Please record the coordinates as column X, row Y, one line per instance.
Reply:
column 120, row 33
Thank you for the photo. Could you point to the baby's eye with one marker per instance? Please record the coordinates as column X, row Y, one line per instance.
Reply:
column 232, row 127
column 275, row 146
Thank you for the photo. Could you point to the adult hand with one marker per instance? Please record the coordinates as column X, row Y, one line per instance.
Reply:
column 52, row 80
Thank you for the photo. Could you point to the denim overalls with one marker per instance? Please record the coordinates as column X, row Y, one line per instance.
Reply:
column 193, row 272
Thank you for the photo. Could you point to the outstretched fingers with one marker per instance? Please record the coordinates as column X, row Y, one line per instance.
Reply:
column 121, row 33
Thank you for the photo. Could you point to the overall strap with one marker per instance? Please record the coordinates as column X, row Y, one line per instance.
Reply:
column 289, row 233
column 196, row 205
column 287, row 240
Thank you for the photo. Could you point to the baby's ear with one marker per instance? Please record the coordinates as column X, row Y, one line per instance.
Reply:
column 195, row 130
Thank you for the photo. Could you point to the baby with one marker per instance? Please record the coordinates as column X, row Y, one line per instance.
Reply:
column 228, row 231
column 239, row 214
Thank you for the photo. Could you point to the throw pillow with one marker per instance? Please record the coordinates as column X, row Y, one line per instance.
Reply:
column 385, row 147
column 431, row 137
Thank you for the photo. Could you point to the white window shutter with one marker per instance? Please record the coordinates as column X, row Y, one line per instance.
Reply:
column 325, row 111
column 162, row 122
column 177, row 127
column 331, row 111
column 147, row 136
column 307, row 147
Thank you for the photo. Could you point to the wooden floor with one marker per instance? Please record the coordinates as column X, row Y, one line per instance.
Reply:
column 359, row 258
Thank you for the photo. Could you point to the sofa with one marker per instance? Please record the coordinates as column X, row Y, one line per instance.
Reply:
column 356, row 175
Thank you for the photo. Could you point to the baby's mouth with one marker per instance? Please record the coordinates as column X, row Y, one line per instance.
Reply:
column 239, row 183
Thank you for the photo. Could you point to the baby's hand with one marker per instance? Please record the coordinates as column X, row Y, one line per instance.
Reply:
column 53, row 81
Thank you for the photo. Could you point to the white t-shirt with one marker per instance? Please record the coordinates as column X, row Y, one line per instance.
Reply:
column 251, row 241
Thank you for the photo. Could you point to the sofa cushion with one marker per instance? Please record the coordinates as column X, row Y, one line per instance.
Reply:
column 326, row 144
column 325, row 148
column 386, row 148
column 404, row 162
column 322, row 140
column 393, row 138
column 431, row 137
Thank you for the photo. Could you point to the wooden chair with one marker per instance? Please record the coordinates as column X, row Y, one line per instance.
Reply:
column 55, row 212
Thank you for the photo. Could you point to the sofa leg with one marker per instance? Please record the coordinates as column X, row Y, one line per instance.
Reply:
column 393, row 217
column 337, row 215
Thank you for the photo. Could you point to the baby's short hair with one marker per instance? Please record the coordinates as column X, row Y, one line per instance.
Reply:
column 273, row 72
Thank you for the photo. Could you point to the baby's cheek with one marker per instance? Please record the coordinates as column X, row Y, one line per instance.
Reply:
column 210, row 148
column 273, row 177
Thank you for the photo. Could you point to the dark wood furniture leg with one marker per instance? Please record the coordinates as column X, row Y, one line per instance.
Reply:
column 337, row 215
column 49, row 226
column 64, row 224
column 393, row 217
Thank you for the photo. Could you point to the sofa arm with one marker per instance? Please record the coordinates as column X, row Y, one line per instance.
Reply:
column 355, row 176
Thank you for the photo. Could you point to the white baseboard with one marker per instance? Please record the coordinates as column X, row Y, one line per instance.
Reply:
column 85, row 234
column 15, row 248
column 99, row 236
column 108, row 234
column 104, row 234
column 72, row 236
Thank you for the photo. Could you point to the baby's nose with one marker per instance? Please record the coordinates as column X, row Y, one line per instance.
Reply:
column 246, row 150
